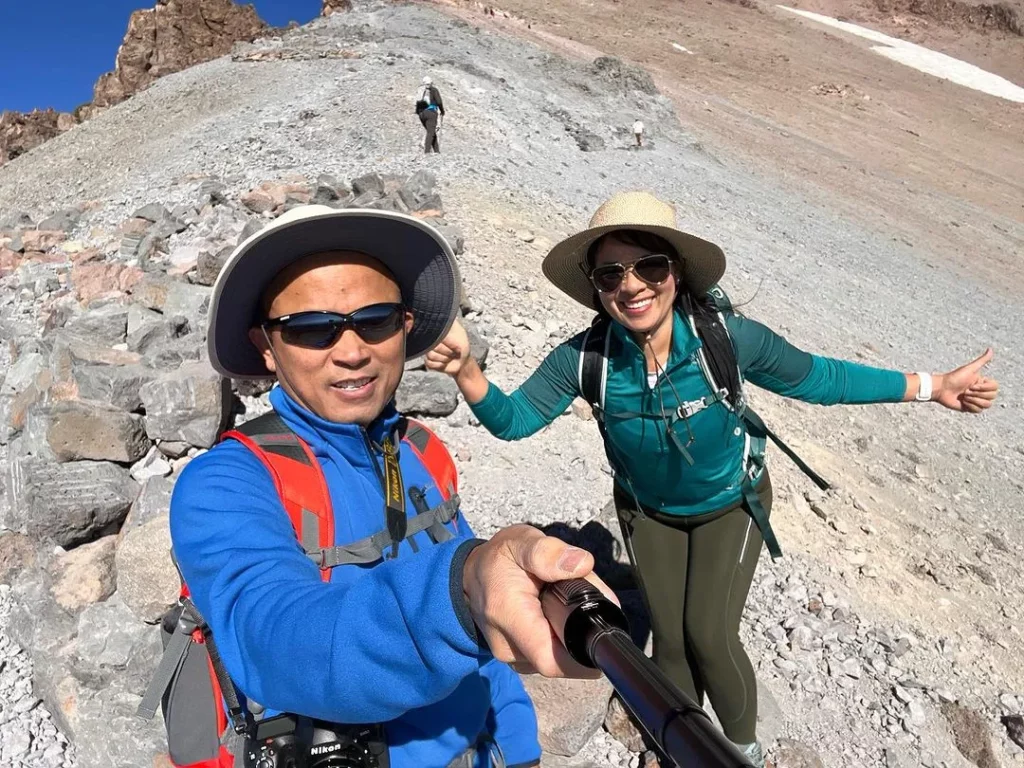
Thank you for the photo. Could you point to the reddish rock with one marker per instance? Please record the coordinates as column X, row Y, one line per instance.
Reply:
column 41, row 239
column 333, row 6
column 258, row 201
column 9, row 261
column 173, row 35
column 95, row 279
column 136, row 226
column 21, row 132
column 16, row 552
column 273, row 196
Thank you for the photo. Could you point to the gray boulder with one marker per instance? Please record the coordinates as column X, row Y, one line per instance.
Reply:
column 104, row 325
column 62, row 221
column 419, row 194
column 117, row 386
column 478, row 346
column 109, row 636
column 252, row 225
column 148, row 328
column 79, row 429
column 93, row 685
column 154, row 501
column 71, row 350
column 212, row 258
column 451, row 233
column 190, row 301
column 15, row 220
column 153, row 212
column 147, row 580
column 427, row 393
column 170, row 354
column 372, row 183
column 25, row 384
column 69, row 503
column 189, row 405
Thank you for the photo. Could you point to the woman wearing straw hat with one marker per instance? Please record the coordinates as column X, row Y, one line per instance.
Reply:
column 691, row 490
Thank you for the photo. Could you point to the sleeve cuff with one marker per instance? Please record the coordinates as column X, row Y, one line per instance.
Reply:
column 458, row 595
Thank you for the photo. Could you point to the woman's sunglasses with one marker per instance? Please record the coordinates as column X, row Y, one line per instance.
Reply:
column 653, row 270
column 320, row 329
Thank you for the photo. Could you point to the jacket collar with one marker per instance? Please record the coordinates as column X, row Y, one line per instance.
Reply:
column 317, row 431
column 684, row 341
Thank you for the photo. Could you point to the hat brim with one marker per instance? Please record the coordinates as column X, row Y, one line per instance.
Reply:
column 703, row 262
column 417, row 255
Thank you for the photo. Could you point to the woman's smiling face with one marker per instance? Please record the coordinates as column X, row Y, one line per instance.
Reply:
column 639, row 306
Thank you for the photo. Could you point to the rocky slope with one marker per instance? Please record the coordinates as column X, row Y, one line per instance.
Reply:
column 887, row 637
column 171, row 36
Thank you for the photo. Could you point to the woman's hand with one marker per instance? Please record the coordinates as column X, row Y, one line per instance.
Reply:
column 451, row 353
column 965, row 389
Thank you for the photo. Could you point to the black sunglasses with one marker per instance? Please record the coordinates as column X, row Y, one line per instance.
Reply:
column 653, row 270
column 320, row 329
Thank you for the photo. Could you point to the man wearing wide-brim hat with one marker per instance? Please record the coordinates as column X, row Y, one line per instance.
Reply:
column 408, row 628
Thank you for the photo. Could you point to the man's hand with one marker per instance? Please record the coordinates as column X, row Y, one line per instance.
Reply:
column 502, row 580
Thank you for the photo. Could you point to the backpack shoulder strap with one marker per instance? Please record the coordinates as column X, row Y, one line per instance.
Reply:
column 592, row 374
column 717, row 356
column 297, row 476
column 720, row 299
column 433, row 453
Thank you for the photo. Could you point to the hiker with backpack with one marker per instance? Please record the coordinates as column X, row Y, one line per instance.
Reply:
column 663, row 367
column 335, row 598
column 430, row 110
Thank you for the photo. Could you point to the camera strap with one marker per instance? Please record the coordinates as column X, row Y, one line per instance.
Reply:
column 394, row 497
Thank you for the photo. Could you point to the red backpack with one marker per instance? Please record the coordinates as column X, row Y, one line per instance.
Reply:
column 191, row 683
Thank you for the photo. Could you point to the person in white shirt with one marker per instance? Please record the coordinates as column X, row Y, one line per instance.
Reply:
column 638, row 131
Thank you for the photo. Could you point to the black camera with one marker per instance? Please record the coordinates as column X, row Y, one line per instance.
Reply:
column 288, row 741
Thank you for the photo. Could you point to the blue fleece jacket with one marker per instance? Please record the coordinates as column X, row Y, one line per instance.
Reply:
column 389, row 642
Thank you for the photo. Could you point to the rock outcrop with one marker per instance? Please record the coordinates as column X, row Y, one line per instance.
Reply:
column 171, row 36
column 333, row 6
column 20, row 132
column 167, row 38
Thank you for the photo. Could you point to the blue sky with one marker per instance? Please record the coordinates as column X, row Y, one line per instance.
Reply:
column 52, row 51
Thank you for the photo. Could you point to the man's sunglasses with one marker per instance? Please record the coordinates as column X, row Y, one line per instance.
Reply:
column 320, row 329
column 653, row 270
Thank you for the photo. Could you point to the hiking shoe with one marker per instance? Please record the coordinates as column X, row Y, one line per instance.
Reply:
column 754, row 754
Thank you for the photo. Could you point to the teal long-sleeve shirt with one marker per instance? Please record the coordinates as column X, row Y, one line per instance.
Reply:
column 641, row 447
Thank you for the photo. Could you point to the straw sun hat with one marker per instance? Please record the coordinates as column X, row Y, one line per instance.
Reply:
column 703, row 263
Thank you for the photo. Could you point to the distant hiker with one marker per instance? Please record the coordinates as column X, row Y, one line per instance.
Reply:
column 430, row 110
column 663, row 367
column 638, row 132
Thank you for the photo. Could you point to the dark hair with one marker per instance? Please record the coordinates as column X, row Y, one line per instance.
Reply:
column 705, row 313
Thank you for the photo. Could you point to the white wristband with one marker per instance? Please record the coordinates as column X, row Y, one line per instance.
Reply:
column 924, row 391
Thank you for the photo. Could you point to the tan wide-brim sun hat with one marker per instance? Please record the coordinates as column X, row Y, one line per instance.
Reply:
column 416, row 254
column 703, row 262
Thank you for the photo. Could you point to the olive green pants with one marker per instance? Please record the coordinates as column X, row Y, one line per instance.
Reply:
column 695, row 573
